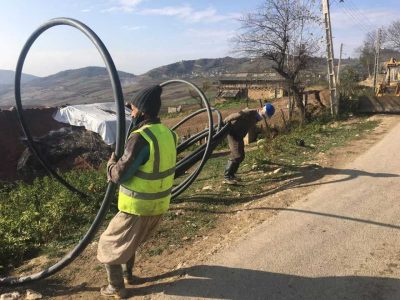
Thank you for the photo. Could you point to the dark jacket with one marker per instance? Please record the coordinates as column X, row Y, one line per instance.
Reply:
column 242, row 121
column 136, row 153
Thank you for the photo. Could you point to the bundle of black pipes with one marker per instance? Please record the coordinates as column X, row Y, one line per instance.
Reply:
column 213, row 135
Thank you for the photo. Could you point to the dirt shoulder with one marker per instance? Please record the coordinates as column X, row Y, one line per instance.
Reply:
column 83, row 277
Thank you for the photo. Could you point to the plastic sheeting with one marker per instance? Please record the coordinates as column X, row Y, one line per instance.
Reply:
column 97, row 117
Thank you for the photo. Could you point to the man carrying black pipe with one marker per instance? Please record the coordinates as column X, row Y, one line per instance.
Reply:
column 240, row 124
column 145, row 173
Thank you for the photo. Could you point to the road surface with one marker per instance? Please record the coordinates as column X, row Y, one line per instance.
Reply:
column 342, row 241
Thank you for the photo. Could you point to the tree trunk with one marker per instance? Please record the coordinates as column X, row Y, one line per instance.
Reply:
column 297, row 95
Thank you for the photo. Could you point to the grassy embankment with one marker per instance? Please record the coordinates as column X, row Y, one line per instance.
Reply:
column 44, row 217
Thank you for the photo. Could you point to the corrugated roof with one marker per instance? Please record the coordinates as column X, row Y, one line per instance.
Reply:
column 229, row 93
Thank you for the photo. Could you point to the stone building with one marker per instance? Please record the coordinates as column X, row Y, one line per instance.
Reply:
column 252, row 86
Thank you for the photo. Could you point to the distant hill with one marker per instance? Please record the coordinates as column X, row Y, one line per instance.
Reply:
column 7, row 77
column 207, row 67
column 91, row 84
column 85, row 85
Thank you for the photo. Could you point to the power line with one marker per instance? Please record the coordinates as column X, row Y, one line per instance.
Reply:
column 355, row 14
column 357, row 10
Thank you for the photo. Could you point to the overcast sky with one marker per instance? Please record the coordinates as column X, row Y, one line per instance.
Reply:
column 144, row 34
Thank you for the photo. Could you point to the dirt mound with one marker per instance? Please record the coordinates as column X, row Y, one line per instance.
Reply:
column 65, row 148
column 40, row 122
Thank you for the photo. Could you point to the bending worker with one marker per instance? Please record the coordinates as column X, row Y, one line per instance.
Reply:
column 241, row 122
column 145, row 173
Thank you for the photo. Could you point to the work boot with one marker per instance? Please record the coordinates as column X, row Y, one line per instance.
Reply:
column 111, row 291
column 231, row 181
column 116, row 286
column 230, row 170
column 127, row 270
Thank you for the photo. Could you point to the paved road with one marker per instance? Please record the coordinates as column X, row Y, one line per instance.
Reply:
column 340, row 242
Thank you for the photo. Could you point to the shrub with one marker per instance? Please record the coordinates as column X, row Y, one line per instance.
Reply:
column 32, row 216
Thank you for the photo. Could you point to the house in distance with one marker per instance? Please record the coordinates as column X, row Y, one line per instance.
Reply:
column 251, row 86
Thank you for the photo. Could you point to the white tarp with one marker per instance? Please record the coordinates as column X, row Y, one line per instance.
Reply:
column 97, row 117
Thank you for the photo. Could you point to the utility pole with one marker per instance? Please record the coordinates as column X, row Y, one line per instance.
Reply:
column 290, row 112
column 330, row 58
column 340, row 62
column 377, row 53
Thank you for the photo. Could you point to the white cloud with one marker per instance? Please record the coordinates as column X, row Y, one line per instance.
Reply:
column 130, row 3
column 124, row 6
column 86, row 10
column 187, row 13
column 133, row 28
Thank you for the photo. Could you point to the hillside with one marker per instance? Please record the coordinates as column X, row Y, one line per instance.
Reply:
column 7, row 77
column 207, row 67
column 91, row 84
column 85, row 85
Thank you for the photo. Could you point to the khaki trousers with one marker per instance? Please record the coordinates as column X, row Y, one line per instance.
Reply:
column 123, row 236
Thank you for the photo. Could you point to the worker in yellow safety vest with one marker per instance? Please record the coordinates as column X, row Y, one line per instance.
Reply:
column 145, row 173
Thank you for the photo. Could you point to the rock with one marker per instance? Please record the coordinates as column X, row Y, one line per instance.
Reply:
column 10, row 296
column 300, row 142
column 261, row 142
column 207, row 188
column 335, row 125
column 32, row 295
column 180, row 265
column 279, row 170
column 179, row 212
column 228, row 190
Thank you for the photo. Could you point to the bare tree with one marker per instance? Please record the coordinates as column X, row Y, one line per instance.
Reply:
column 284, row 32
column 367, row 52
column 206, row 85
column 393, row 35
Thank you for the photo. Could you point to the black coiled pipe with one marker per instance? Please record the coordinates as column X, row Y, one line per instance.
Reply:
column 110, row 192
column 213, row 133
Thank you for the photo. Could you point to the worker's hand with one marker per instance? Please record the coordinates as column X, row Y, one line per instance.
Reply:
column 112, row 160
column 226, row 120
column 231, row 117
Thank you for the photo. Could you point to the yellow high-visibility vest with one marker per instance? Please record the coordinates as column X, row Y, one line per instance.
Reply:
column 148, row 192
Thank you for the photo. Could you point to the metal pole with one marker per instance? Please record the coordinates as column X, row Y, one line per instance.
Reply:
column 340, row 62
column 377, row 53
column 330, row 58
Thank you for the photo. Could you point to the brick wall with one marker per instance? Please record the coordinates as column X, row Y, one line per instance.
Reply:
column 265, row 93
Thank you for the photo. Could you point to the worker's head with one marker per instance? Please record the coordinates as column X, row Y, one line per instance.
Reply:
column 146, row 101
column 268, row 110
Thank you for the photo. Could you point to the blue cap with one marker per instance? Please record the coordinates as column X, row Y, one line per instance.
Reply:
column 269, row 109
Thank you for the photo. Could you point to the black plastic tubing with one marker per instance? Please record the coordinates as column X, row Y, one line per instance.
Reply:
column 189, row 180
column 119, row 101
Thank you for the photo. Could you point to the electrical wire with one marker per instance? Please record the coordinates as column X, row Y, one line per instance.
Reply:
column 355, row 14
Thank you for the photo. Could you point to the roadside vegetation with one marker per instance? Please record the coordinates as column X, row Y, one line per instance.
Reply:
column 45, row 218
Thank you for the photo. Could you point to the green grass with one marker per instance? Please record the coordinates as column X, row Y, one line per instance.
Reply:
column 44, row 217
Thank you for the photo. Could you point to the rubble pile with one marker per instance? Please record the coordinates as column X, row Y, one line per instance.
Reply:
column 65, row 148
